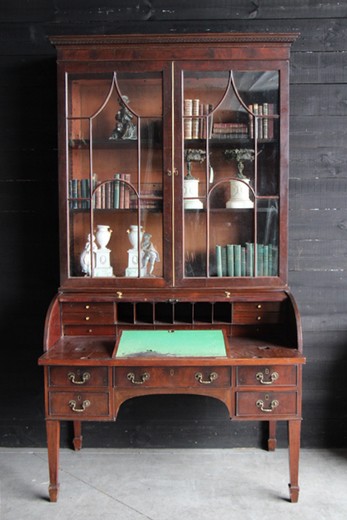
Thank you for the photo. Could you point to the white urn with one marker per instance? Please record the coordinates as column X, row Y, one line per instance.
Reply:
column 133, row 234
column 239, row 194
column 190, row 192
column 102, row 235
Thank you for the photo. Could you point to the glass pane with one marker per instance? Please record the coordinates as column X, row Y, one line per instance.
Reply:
column 230, row 158
column 115, row 175
column 195, row 233
column 231, row 229
column 259, row 93
column 267, row 238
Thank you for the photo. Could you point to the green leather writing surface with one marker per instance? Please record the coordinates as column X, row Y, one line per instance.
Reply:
column 178, row 343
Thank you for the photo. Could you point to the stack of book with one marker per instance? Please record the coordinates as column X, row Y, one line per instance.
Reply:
column 107, row 195
column 79, row 193
column 239, row 260
column 196, row 126
column 265, row 125
column 114, row 194
column 230, row 131
column 119, row 197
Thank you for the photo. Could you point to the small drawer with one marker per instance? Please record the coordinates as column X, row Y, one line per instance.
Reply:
column 179, row 377
column 78, row 376
column 266, row 404
column 256, row 312
column 89, row 330
column 95, row 307
column 256, row 317
column 88, row 318
column 79, row 405
column 257, row 306
column 267, row 376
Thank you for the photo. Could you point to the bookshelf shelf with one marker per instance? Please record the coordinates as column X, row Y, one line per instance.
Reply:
column 106, row 144
column 215, row 142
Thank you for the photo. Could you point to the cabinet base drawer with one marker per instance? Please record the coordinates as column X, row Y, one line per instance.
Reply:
column 172, row 377
column 267, row 376
column 79, row 405
column 77, row 376
column 262, row 404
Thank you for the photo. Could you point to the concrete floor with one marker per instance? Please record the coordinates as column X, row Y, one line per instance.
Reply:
column 230, row 484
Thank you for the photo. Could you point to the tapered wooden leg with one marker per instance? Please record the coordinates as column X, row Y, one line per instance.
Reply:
column 78, row 438
column 53, row 444
column 294, row 428
column 272, row 441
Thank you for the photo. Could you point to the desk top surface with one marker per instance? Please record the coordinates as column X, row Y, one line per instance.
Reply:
column 176, row 343
column 100, row 350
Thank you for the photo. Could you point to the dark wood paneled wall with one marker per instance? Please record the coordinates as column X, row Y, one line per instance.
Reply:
column 318, row 211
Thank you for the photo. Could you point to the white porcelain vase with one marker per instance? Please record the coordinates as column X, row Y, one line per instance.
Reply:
column 133, row 234
column 239, row 195
column 191, row 189
column 103, row 235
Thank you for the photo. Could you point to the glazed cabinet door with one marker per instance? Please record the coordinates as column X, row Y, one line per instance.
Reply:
column 231, row 158
column 115, row 190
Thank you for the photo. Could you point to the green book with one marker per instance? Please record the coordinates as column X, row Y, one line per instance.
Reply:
column 243, row 261
column 275, row 260
column 270, row 260
column 230, row 259
column 116, row 191
column 224, row 261
column 249, row 259
column 237, row 260
column 74, row 189
column 219, row 260
column 83, row 192
column 260, row 259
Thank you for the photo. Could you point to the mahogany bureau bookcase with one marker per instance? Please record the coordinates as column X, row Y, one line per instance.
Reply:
column 173, row 189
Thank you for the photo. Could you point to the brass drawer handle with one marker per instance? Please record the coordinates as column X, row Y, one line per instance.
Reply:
column 212, row 377
column 270, row 378
column 143, row 378
column 84, row 405
column 260, row 404
column 85, row 377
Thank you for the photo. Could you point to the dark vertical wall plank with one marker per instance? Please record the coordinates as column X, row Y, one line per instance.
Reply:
column 318, row 210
